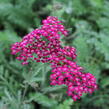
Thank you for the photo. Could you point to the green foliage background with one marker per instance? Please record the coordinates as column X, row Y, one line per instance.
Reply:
column 27, row 87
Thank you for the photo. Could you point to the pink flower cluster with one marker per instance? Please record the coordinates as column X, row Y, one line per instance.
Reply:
column 41, row 43
column 76, row 81
column 44, row 45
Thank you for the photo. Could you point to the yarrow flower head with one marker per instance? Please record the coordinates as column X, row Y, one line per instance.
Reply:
column 44, row 45
column 41, row 43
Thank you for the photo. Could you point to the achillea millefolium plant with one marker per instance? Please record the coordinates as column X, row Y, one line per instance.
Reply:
column 44, row 45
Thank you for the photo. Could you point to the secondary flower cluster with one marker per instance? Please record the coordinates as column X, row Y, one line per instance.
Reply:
column 44, row 45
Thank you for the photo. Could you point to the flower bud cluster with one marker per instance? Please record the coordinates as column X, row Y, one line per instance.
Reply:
column 44, row 45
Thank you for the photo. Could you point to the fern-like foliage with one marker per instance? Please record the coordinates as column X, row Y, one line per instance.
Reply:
column 28, row 87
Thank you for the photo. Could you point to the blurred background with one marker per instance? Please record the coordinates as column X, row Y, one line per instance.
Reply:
column 27, row 87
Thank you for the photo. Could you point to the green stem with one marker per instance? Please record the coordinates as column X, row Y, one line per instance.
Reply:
column 44, row 72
